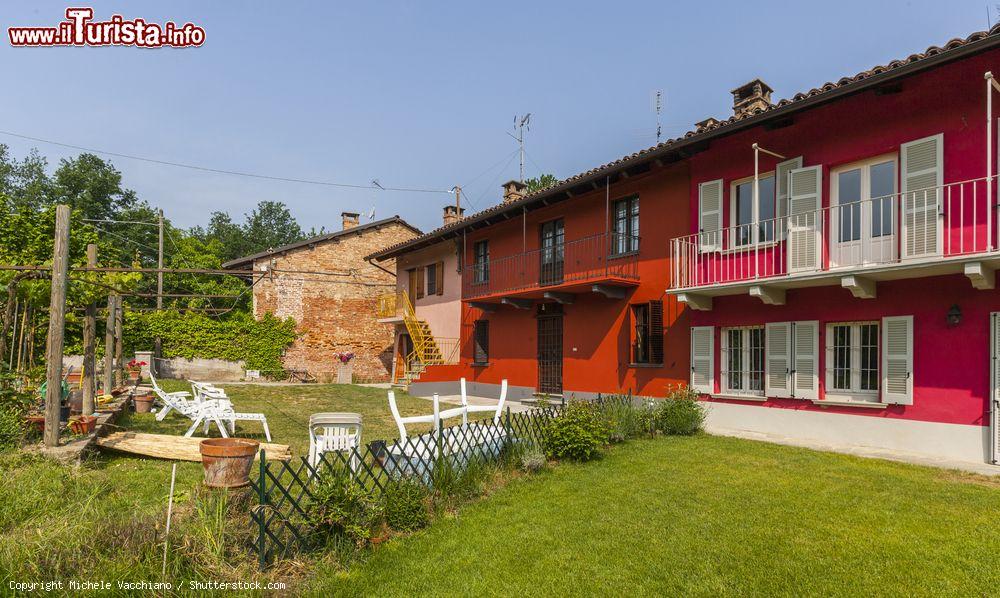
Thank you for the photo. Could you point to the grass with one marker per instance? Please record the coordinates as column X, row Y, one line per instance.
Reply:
column 106, row 517
column 703, row 516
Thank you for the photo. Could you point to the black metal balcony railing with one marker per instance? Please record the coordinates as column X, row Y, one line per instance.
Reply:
column 595, row 258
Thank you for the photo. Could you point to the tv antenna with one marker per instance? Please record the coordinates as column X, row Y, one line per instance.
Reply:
column 520, row 125
column 375, row 185
column 658, row 107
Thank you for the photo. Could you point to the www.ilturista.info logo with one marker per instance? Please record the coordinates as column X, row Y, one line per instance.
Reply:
column 79, row 29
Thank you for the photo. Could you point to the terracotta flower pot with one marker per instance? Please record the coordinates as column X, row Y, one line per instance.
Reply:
column 84, row 424
column 143, row 403
column 227, row 461
column 36, row 422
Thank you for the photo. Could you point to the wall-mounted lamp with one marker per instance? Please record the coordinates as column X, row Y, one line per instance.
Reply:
column 954, row 316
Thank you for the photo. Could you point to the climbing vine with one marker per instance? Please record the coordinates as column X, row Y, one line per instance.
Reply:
column 237, row 337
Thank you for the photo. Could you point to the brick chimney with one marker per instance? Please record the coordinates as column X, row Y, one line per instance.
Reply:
column 706, row 124
column 453, row 214
column 513, row 191
column 350, row 219
column 750, row 97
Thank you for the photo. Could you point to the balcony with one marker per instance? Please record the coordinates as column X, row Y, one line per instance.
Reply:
column 603, row 263
column 390, row 307
column 932, row 231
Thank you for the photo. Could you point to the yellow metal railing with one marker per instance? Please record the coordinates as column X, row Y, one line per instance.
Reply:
column 388, row 305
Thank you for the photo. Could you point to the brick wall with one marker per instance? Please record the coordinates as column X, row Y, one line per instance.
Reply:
column 334, row 312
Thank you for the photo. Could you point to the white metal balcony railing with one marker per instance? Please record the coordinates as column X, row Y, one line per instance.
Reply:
column 936, row 222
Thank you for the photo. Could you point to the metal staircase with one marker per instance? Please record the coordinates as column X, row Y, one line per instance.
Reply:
column 427, row 350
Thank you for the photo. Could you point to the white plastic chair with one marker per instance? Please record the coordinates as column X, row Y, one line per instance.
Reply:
column 334, row 432
column 172, row 401
column 434, row 419
column 498, row 410
column 219, row 411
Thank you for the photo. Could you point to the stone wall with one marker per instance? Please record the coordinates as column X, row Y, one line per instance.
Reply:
column 337, row 312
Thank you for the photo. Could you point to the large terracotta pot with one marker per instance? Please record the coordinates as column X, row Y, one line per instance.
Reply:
column 227, row 461
column 143, row 403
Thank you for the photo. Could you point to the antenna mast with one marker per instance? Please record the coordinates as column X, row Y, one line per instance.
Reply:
column 520, row 125
column 659, row 108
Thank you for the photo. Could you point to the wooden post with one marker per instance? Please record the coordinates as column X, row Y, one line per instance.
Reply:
column 109, row 346
column 119, row 363
column 158, row 342
column 57, row 326
column 90, row 344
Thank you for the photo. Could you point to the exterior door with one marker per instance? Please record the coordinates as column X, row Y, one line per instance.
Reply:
column 995, row 387
column 553, row 252
column 550, row 348
column 863, row 214
column 411, row 289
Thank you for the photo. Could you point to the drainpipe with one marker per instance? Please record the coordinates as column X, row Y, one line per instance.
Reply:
column 369, row 260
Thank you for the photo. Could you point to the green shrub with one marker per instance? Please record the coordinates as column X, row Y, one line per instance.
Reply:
column 406, row 506
column 343, row 509
column 238, row 337
column 624, row 419
column 680, row 413
column 578, row 433
column 452, row 480
column 533, row 460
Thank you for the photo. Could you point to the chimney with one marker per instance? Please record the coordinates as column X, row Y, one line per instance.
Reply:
column 706, row 124
column 750, row 97
column 350, row 219
column 453, row 214
column 513, row 191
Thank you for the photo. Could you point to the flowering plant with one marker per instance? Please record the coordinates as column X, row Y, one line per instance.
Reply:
column 344, row 357
column 135, row 365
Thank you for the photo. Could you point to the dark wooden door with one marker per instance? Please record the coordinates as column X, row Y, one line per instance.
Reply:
column 550, row 353
column 553, row 252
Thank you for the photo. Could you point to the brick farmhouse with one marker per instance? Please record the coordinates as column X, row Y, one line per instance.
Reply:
column 327, row 287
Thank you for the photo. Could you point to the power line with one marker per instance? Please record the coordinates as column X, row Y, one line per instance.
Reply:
column 220, row 170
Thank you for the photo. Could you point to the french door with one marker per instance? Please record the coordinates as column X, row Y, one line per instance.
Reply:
column 864, row 213
column 550, row 348
column 553, row 253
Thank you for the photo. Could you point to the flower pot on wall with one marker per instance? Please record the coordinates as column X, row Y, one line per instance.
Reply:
column 345, row 373
column 83, row 424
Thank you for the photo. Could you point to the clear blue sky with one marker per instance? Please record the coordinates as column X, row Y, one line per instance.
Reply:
column 420, row 94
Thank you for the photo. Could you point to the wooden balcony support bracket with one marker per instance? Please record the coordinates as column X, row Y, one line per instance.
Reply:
column 488, row 308
column 697, row 302
column 609, row 291
column 983, row 277
column 859, row 286
column 517, row 303
column 769, row 295
column 563, row 298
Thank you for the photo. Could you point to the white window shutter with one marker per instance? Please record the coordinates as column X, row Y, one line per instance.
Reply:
column 897, row 360
column 781, row 186
column 804, row 193
column 778, row 379
column 710, row 214
column 921, row 177
column 805, row 360
column 702, row 362
column 995, row 385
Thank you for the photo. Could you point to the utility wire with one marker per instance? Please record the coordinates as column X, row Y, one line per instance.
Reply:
column 220, row 170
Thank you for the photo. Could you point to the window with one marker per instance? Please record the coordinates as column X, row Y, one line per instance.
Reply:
column 625, row 226
column 432, row 279
column 745, row 216
column 481, row 262
column 481, row 342
column 743, row 360
column 852, row 359
column 863, row 212
column 647, row 333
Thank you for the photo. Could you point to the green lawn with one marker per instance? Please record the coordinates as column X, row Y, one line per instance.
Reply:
column 102, row 518
column 704, row 516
